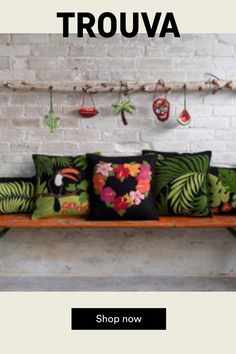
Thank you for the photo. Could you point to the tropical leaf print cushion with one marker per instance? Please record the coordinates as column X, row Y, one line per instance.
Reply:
column 121, row 187
column 61, row 186
column 181, row 183
column 16, row 195
column 222, row 190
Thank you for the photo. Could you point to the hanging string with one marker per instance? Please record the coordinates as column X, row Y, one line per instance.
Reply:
column 163, row 85
column 126, row 92
column 91, row 98
column 185, row 96
column 155, row 92
column 50, row 99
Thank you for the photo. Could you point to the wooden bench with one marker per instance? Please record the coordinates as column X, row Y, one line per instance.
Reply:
column 22, row 221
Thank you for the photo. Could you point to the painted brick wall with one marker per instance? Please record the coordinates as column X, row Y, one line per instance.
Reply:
column 50, row 58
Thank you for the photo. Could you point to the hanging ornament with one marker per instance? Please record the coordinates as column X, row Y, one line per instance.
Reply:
column 51, row 120
column 160, row 105
column 161, row 108
column 123, row 106
column 87, row 112
column 184, row 117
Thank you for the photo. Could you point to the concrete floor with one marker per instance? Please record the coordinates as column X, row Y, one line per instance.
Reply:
column 116, row 260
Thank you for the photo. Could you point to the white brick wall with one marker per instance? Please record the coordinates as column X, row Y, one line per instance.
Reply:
column 51, row 58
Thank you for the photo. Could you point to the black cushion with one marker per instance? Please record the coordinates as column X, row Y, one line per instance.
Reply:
column 181, row 183
column 121, row 187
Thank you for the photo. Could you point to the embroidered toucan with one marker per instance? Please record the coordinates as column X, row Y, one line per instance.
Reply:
column 56, row 183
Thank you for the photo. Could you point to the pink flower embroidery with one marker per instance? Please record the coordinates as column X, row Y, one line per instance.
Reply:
column 104, row 169
column 107, row 194
column 145, row 172
column 137, row 197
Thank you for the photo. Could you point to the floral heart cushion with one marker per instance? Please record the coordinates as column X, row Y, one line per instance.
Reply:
column 222, row 190
column 121, row 187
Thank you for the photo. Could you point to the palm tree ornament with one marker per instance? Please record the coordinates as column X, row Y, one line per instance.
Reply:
column 123, row 106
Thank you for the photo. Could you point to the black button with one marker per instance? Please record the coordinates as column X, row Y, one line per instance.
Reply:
column 118, row 318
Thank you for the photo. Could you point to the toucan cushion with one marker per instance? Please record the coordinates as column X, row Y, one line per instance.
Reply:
column 181, row 183
column 121, row 187
column 61, row 186
column 222, row 190
column 16, row 195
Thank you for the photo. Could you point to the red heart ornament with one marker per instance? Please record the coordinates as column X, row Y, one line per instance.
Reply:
column 184, row 118
column 161, row 108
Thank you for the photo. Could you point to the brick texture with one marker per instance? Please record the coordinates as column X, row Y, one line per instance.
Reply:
column 51, row 58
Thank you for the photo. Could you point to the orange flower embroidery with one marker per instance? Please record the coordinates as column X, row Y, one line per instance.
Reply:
column 128, row 199
column 98, row 182
column 133, row 168
column 143, row 186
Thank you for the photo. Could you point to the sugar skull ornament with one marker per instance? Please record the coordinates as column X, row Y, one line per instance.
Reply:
column 161, row 108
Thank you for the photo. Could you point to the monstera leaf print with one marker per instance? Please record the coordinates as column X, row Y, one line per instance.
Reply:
column 228, row 178
column 218, row 194
column 186, row 177
column 234, row 201
column 16, row 197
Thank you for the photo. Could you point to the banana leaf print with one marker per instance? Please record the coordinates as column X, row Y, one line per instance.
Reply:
column 46, row 164
column 184, row 192
column 16, row 197
column 186, row 177
column 162, row 202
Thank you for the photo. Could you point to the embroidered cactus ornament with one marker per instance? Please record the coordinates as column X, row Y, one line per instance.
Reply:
column 50, row 120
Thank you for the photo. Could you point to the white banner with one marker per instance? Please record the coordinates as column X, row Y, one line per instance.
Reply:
column 27, row 16
column 41, row 323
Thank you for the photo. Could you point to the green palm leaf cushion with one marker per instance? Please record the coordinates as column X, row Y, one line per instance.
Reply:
column 222, row 190
column 16, row 195
column 181, row 183
column 61, row 186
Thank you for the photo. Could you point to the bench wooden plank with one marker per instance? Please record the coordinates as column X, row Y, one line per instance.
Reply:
column 24, row 221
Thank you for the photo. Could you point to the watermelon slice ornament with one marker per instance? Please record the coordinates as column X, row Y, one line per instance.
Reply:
column 184, row 117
